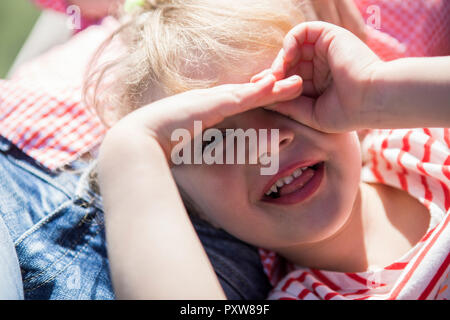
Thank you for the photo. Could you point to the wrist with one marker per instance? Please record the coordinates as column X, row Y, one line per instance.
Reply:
column 410, row 93
column 375, row 97
column 124, row 150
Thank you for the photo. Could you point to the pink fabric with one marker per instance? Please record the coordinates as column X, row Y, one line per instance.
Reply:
column 61, row 6
column 407, row 28
column 57, row 5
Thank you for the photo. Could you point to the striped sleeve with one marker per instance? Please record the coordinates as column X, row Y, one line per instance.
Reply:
column 414, row 160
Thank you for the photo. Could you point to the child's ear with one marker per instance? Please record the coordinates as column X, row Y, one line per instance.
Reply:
column 109, row 116
column 107, row 113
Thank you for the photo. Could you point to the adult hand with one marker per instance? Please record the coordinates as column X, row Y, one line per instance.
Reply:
column 96, row 9
column 343, row 13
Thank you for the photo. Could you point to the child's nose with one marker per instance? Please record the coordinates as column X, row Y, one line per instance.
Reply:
column 286, row 138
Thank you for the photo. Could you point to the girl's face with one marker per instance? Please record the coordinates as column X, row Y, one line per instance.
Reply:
column 313, row 207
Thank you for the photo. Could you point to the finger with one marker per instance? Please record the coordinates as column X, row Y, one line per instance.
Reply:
column 261, row 75
column 351, row 18
column 288, row 88
column 235, row 99
column 300, row 110
column 279, row 65
column 307, row 52
column 282, row 90
column 305, row 70
column 299, row 43
column 309, row 89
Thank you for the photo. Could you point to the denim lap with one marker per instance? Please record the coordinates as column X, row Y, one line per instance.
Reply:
column 55, row 222
column 59, row 244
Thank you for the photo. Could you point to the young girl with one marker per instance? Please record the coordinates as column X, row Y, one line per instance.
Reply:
column 383, row 237
column 57, row 237
column 55, row 218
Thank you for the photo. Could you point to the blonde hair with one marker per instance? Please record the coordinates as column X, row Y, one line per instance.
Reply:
column 171, row 46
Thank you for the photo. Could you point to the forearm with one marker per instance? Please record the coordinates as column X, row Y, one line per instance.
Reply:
column 153, row 249
column 412, row 92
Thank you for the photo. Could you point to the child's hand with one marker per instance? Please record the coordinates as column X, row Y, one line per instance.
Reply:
column 211, row 106
column 336, row 68
column 145, row 218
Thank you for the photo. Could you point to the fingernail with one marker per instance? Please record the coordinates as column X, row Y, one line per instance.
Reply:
column 292, row 79
column 261, row 75
column 267, row 78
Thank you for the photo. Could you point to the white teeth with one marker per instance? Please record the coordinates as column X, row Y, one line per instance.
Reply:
column 297, row 173
column 288, row 180
column 280, row 183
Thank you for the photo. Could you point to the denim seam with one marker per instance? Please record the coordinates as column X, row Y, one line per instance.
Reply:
column 72, row 245
column 38, row 225
column 68, row 265
column 83, row 190
column 44, row 220
column 30, row 169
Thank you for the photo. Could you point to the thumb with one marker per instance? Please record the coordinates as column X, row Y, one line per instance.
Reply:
column 323, row 114
column 301, row 109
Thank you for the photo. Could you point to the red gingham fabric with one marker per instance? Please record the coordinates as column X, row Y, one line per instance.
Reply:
column 418, row 162
column 41, row 107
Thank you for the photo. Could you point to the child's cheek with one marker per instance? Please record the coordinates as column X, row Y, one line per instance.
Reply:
column 346, row 160
column 211, row 187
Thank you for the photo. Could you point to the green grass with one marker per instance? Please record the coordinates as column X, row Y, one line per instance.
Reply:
column 17, row 17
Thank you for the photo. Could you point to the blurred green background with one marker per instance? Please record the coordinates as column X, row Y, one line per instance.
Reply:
column 17, row 18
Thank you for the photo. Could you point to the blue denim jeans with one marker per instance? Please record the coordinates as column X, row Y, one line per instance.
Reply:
column 10, row 279
column 55, row 221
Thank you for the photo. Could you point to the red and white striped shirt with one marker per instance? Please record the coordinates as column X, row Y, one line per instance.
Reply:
column 418, row 162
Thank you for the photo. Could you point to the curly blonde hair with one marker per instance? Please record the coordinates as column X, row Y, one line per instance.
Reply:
column 171, row 46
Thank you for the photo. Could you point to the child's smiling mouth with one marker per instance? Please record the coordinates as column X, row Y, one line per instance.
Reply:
column 296, row 184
